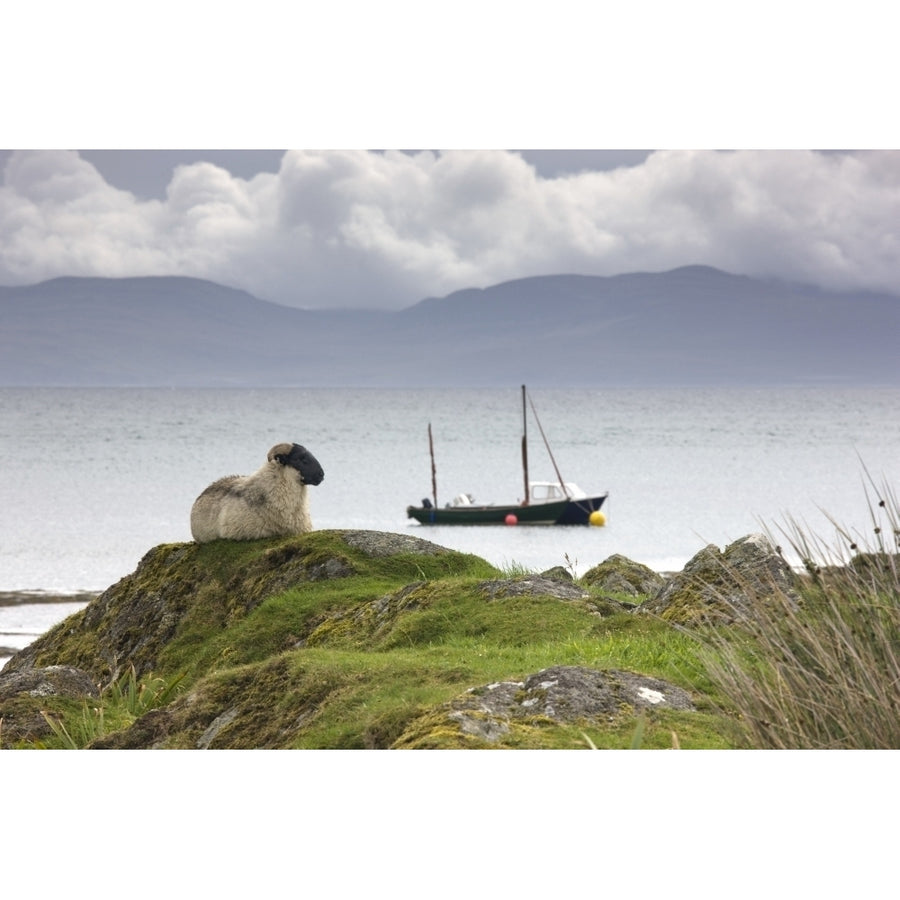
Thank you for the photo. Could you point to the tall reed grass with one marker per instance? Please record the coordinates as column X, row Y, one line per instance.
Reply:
column 824, row 672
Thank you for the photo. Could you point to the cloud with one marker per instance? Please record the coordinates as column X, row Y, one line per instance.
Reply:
column 369, row 229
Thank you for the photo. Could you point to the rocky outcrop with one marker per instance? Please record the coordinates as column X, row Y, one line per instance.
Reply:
column 350, row 638
column 386, row 543
column 560, row 694
column 61, row 681
column 619, row 575
column 24, row 694
column 532, row 585
column 722, row 586
column 134, row 621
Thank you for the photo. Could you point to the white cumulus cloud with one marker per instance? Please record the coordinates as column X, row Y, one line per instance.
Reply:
column 369, row 229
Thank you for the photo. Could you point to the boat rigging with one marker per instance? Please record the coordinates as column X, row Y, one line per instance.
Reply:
column 546, row 502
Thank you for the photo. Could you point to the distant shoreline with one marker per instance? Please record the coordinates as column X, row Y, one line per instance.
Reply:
column 14, row 598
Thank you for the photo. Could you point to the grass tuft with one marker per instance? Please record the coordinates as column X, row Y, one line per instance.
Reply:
column 120, row 703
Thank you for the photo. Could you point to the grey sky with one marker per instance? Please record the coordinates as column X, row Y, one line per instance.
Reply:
column 385, row 229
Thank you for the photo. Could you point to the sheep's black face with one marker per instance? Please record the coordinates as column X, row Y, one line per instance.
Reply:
column 305, row 463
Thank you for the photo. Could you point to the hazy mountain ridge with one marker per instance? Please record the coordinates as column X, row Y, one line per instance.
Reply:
column 691, row 325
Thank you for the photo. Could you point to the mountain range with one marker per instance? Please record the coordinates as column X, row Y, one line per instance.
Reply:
column 690, row 326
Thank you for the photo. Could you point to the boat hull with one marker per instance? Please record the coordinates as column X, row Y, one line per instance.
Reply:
column 562, row 512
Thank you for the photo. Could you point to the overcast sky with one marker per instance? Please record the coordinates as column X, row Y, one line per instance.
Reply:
column 370, row 228
column 386, row 229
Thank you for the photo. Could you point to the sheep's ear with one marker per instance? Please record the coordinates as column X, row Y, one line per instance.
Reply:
column 280, row 453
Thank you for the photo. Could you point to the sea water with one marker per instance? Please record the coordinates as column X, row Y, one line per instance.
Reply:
column 93, row 478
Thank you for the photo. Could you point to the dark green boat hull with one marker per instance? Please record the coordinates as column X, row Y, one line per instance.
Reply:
column 561, row 512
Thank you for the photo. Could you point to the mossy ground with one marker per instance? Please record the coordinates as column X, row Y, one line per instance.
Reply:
column 312, row 643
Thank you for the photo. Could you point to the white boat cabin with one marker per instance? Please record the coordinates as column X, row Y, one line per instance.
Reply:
column 540, row 491
column 552, row 491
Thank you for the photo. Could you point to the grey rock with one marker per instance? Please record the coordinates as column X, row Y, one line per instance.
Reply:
column 533, row 585
column 60, row 681
column 384, row 543
column 208, row 736
column 724, row 586
column 619, row 575
column 558, row 573
column 565, row 694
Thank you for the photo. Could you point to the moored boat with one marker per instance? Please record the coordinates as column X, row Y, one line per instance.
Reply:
column 546, row 503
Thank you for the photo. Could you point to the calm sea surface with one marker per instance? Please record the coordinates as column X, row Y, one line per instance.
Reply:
column 90, row 479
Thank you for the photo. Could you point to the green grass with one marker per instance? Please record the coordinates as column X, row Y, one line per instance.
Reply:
column 362, row 660
column 355, row 699
column 120, row 703
column 360, row 683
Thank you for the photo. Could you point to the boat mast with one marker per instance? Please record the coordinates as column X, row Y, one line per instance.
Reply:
column 562, row 484
column 525, row 449
column 433, row 469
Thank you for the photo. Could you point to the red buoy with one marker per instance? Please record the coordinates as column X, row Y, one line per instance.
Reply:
column 511, row 519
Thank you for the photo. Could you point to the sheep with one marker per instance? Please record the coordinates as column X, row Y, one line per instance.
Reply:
column 269, row 503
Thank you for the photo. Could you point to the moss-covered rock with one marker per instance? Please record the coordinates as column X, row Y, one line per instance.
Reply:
column 558, row 573
column 61, row 681
column 619, row 575
column 721, row 587
column 179, row 593
column 509, row 710
column 345, row 639
column 27, row 695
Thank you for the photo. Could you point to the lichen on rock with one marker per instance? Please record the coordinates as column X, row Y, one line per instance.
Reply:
column 558, row 694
